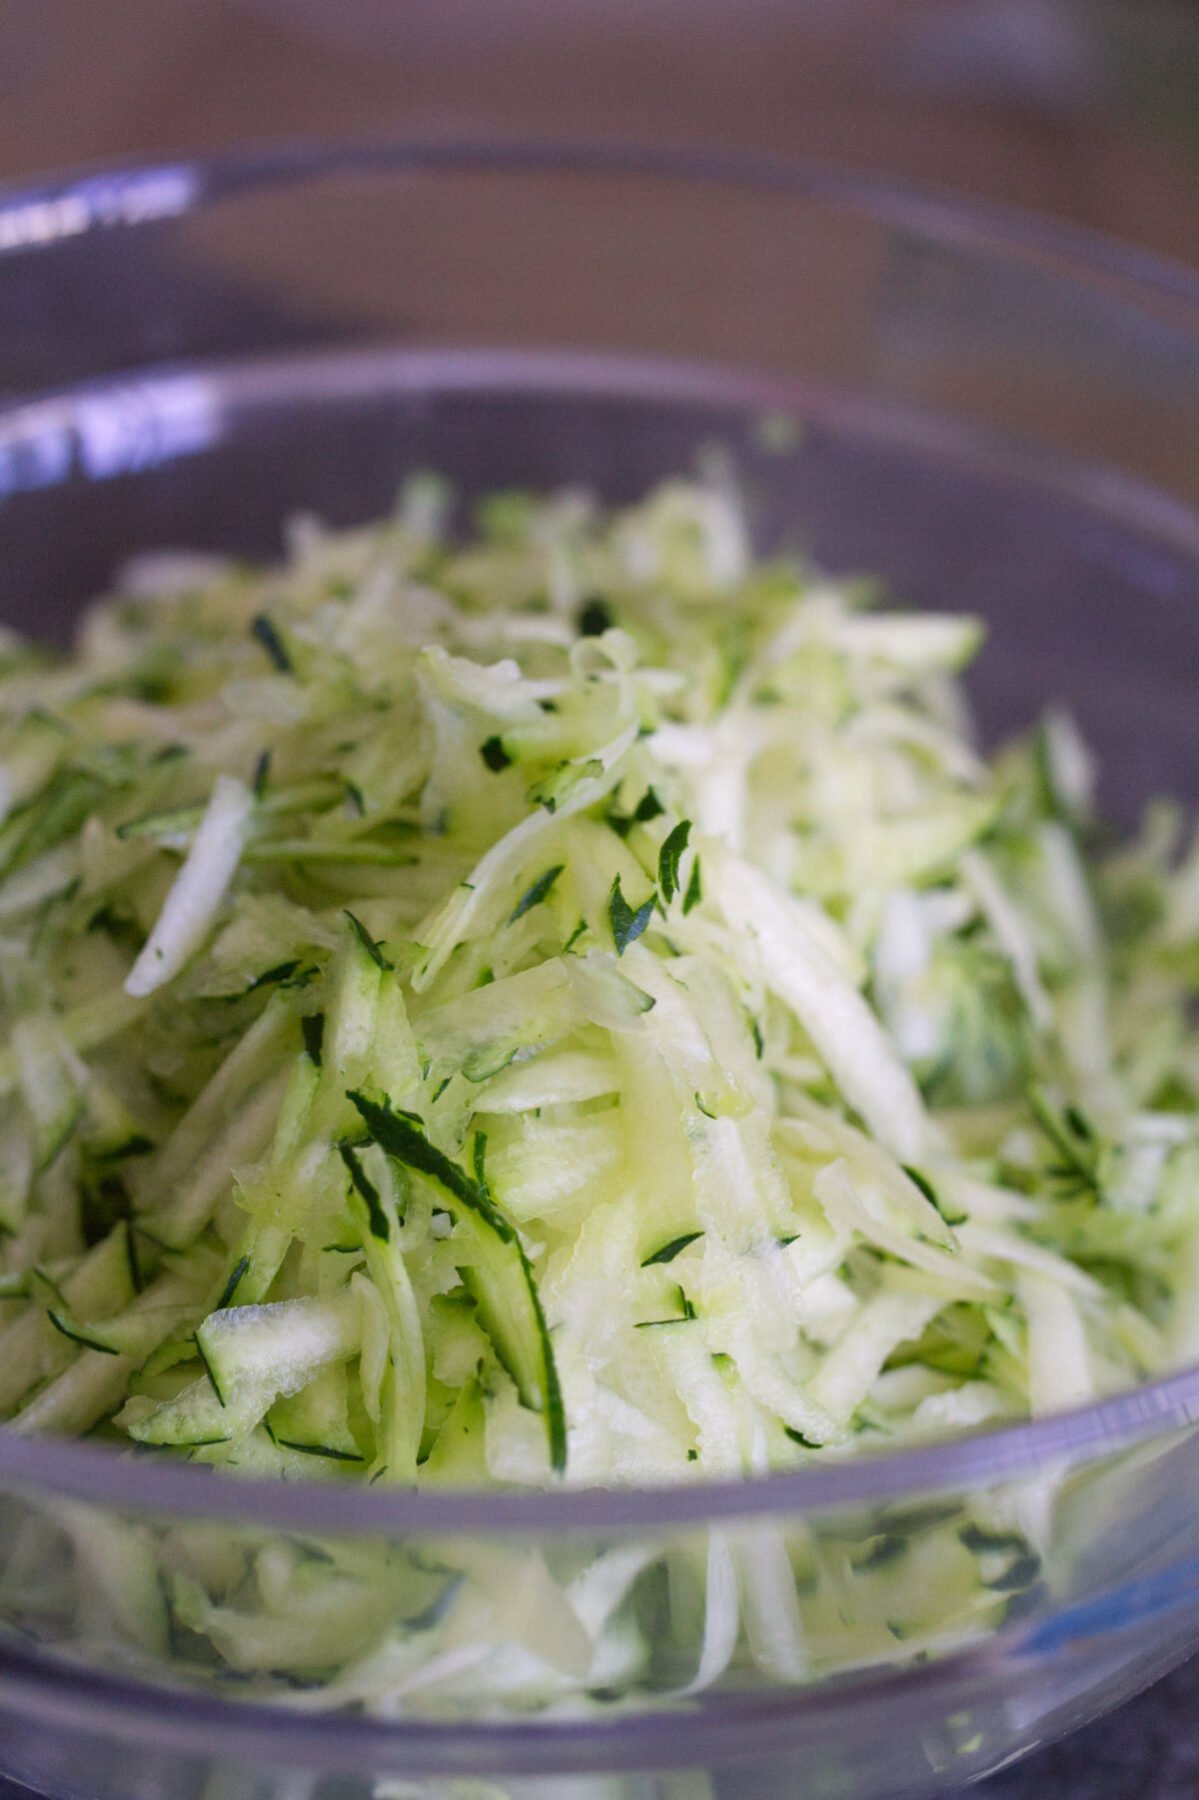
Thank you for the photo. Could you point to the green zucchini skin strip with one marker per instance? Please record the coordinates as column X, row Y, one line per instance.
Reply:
column 503, row 1270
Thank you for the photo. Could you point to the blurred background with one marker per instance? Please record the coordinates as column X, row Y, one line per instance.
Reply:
column 1086, row 109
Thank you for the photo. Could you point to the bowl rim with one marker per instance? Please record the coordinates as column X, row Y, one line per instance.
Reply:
column 53, row 1690
column 135, row 195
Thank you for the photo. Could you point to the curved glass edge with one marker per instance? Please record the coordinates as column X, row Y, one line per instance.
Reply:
column 57, row 1692
column 128, row 421
column 35, row 216
column 50, row 1690
column 70, row 203
column 96, row 1475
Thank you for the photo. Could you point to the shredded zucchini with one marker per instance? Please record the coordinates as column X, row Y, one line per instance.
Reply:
column 574, row 1002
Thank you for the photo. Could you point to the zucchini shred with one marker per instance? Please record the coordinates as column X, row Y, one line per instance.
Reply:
column 432, row 963
column 569, row 1001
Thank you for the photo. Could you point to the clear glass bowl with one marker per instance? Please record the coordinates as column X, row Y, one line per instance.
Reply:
column 983, row 411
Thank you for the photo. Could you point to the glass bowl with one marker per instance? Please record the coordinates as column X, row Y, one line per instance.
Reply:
column 983, row 411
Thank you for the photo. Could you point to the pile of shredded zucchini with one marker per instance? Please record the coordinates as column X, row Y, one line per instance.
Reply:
column 573, row 1000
